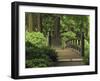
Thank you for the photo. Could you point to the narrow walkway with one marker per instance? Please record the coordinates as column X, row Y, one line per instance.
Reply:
column 68, row 57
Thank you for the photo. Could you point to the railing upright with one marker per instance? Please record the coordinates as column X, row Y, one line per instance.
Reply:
column 82, row 44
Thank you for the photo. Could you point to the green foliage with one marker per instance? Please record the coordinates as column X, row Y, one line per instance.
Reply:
column 37, row 53
column 40, row 56
column 35, row 38
column 67, row 36
column 47, row 23
column 34, row 52
column 86, row 52
column 51, row 53
column 67, row 23
column 28, row 44
column 38, row 62
column 75, row 24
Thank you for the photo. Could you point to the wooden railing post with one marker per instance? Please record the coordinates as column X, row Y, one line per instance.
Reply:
column 82, row 44
column 77, row 44
column 49, row 38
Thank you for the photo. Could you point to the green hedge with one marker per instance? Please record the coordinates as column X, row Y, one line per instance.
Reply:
column 36, row 57
column 38, row 54
column 36, row 38
column 38, row 62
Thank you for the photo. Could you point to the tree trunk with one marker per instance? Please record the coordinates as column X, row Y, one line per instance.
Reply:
column 38, row 22
column 30, row 22
column 56, row 34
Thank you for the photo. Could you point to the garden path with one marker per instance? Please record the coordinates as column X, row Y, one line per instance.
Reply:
column 68, row 57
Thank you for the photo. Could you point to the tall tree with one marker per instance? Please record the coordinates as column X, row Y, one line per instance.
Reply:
column 30, row 22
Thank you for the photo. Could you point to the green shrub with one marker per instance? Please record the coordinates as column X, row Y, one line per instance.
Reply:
column 86, row 52
column 37, row 52
column 44, row 56
column 51, row 53
column 29, row 64
column 34, row 52
column 36, row 39
column 28, row 44
column 38, row 62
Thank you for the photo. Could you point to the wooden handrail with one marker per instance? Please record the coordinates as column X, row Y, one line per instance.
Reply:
column 74, row 43
column 77, row 44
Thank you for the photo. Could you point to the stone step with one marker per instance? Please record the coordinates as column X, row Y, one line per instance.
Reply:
column 69, row 63
column 68, row 58
column 71, row 60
